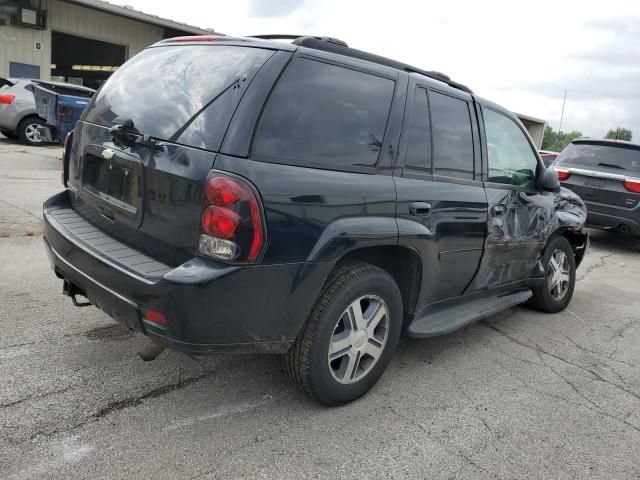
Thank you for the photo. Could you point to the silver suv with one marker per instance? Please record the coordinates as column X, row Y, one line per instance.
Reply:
column 18, row 116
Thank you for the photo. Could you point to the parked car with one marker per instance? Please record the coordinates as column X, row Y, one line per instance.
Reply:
column 548, row 157
column 18, row 115
column 61, row 107
column 306, row 199
column 606, row 175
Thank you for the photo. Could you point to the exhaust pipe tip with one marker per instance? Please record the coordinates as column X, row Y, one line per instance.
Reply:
column 624, row 228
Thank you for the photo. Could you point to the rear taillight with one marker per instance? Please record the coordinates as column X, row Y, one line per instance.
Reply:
column 7, row 98
column 563, row 173
column 155, row 316
column 231, row 222
column 632, row 184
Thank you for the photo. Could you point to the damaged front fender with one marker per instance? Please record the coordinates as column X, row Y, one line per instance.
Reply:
column 520, row 226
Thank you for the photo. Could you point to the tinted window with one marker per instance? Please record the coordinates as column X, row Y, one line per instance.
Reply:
column 419, row 144
column 164, row 89
column 605, row 156
column 510, row 157
column 324, row 114
column 452, row 138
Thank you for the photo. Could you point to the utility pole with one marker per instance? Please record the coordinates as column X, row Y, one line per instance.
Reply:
column 562, row 114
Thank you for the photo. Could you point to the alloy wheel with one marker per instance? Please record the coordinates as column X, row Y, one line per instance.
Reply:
column 558, row 274
column 358, row 339
column 31, row 132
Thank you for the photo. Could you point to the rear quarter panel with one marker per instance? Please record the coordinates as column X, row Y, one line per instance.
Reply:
column 317, row 215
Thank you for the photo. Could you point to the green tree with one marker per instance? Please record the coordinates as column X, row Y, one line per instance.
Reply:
column 549, row 139
column 556, row 141
column 565, row 139
column 620, row 134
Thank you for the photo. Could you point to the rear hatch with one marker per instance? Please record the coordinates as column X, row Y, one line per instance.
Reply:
column 142, row 150
column 601, row 172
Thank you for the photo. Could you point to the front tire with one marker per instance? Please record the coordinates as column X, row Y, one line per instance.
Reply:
column 559, row 265
column 27, row 131
column 350, row 336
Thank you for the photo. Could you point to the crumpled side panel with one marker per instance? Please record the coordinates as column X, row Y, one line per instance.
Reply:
column 519, row 227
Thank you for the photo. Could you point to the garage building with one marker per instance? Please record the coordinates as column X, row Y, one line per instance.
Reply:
column 79, row 41
column 535, row 126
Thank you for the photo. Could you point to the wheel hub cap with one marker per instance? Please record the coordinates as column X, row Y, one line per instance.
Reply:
column 558, row 274
column 359, row 338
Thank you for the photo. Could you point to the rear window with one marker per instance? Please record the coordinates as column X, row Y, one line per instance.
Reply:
column 325, row 115
column 601, row 156
column 184, row 94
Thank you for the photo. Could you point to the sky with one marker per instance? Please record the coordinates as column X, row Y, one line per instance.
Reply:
column 522, row 55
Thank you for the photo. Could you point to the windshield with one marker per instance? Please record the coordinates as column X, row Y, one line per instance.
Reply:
column 613, row 157
column 177, row 92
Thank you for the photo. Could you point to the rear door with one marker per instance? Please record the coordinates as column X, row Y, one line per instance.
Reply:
column 442, row 207
column 520, row 216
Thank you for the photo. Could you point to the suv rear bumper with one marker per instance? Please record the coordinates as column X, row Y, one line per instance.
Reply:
column 209, row 306
column 608, row 216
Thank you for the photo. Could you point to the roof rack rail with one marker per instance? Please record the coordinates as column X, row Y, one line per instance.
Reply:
column 334, row 45
column 298, row 38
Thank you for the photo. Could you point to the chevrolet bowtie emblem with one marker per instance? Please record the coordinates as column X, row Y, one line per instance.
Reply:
column 107, row 154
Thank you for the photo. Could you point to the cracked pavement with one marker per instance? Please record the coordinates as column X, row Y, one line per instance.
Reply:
column 518, row 395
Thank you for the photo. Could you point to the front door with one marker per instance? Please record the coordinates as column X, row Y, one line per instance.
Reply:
column 442, row 206
column 520, row 215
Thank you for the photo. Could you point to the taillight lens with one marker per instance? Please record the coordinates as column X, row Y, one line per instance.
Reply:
column 220, row 222
column 632, row 184
column 7, row 98
column 155, row 316
column 232, row 222
column 563, row 173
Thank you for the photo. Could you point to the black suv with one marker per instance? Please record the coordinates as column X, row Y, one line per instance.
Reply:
column 606, row 174
column 309, row 199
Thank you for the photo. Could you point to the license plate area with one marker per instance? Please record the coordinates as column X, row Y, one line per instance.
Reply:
column 112, row 181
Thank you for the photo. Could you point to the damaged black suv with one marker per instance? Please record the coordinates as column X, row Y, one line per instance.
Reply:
column 308, row 199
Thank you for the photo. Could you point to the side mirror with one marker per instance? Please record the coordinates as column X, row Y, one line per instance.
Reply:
column 549, row 180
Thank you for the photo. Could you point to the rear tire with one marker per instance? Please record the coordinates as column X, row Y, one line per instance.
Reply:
column 559, row 266
column 350, row 336
column 27, row 129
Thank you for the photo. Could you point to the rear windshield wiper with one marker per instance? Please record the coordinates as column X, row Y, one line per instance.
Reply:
column 611, row 165
column 126, row 134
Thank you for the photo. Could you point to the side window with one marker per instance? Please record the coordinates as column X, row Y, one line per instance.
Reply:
column 324, row 114
column 452, row 136
column 419, row 142
column 510, row 157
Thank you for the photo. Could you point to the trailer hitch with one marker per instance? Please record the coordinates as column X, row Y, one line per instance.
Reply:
column 71, row 290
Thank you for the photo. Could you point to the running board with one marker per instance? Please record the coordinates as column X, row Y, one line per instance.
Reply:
column 456, row 315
